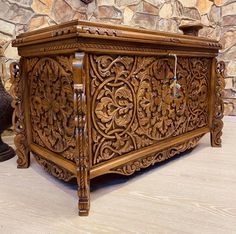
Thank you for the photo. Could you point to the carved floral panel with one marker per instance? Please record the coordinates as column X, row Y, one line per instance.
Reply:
column 132, row 102
column 51, row 103
column 133, row 105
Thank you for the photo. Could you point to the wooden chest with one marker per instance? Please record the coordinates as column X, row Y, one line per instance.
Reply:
column 92, row 99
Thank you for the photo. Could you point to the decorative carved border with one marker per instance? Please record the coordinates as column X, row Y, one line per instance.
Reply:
column 102, row 45
column 19, row 124
column 63, row 31
column 138, row 164
column 100, row 31
column 217, row 123
column 53, row 169
column 99, row 45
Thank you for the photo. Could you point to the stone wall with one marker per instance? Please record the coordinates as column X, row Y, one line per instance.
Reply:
column 217, row 16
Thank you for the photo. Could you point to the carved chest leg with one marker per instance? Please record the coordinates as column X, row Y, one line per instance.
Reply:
column 19, row 124
column 217, row 123
column 22, row 151
column 83, row 190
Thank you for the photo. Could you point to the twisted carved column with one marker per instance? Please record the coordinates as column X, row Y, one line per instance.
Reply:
column 81, row 149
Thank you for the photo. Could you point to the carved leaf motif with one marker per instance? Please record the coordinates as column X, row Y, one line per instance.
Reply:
column 101, row 114
column 119, row 67
column 30, row 63
column 115, row 107
column 65, row 63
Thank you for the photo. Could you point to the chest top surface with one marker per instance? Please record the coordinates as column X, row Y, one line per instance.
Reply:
column 100, row 33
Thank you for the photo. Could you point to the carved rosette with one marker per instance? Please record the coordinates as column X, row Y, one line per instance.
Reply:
column 133, row 106
column 137, row 165
column 53, row 169
column 17, row 91
column 217, row 123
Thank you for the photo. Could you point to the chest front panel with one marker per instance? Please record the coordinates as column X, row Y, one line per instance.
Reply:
column 133, row 105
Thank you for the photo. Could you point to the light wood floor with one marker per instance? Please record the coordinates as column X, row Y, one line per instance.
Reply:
column 195, row 193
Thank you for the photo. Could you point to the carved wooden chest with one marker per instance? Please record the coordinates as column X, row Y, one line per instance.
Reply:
column 92, row 99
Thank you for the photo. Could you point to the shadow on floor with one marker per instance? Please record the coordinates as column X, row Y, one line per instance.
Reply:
column 109, row 182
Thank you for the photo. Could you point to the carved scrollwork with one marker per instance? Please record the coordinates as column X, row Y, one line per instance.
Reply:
column 17, row 91
column 217, row 123
column 132, row 102
column 53, row 169
column 81, row 155
column 137, row 165
column 197, row 91
column 51, row 99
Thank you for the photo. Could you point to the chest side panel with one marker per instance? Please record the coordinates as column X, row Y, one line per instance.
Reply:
column 51, row 103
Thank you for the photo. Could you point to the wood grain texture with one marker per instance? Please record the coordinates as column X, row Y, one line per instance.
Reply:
column 194, row 194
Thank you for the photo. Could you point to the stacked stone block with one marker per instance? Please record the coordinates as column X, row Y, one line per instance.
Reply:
column 217, row 16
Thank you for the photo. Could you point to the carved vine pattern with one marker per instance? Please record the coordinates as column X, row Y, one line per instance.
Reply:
column 133, row 106
column 217, row 123
column 160, row 156
column 17, row 91
column 51, row 99
column 53, row 169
